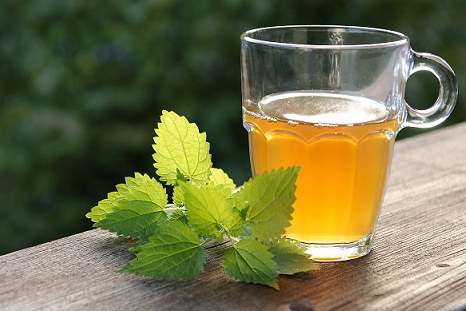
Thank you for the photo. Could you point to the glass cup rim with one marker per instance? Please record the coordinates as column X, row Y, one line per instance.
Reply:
column 400, row 38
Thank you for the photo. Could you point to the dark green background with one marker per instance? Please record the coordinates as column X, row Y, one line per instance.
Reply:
column 82, row 85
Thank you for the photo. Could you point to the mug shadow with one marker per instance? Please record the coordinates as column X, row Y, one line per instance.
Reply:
column 333, row 286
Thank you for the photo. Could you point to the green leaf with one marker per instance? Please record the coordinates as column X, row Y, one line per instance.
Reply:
column 250, row 261
column 216, row 177
column 135, row 210
column 141, row 187
column 178, row 195
column 174, row 252
column 267, row 202
column 219, row 177
column 179, row 215
column 208, row 207
column 135, row 219
column 144, row 188
column 290, row 257
column 235, row 225
column 104, row 207
column 180, row 147
column 180, row 177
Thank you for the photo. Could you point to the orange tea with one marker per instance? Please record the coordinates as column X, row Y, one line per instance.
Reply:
column 344, row 145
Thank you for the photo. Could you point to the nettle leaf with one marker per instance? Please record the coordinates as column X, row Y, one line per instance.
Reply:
column 250, row 261
column 178, row 196
column 216, row 177
column 174, row 252
column 267, row 201
column 134, row 219
column 141, row 187
column 290, row 257
column 236, row 224
column 208, row 207
column 104, row 207
column 144, row 188
column 180, row 147
column 219, row 177
column 179, row 215
column 136, row 209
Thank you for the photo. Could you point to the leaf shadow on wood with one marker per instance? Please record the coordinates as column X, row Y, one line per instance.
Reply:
column 334, row 285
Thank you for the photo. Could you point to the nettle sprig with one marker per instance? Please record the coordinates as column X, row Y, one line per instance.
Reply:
column 207, row 207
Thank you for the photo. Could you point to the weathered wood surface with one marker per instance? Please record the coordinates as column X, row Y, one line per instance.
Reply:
column 418, row 261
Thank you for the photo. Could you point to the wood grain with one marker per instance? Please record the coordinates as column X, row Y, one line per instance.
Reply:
column 418, row 261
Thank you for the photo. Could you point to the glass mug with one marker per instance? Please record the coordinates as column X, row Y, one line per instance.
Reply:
column 330, row 99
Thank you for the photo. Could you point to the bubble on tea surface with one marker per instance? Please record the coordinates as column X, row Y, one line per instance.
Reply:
column 321, row 109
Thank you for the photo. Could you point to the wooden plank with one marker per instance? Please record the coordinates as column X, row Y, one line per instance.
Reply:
column 418, row 261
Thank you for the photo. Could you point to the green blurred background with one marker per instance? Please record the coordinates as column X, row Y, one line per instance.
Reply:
column 83, row 83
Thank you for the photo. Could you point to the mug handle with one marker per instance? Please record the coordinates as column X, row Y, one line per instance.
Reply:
column 448, row 92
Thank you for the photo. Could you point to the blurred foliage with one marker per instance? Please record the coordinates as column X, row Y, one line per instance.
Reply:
column 82, row 85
